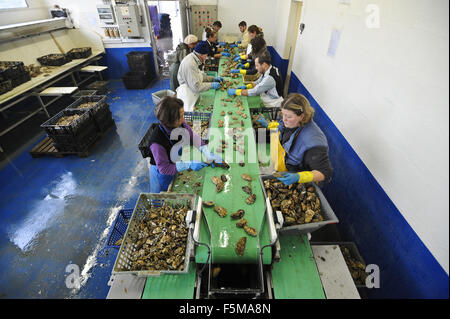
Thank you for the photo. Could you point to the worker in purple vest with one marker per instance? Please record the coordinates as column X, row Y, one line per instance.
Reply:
column 298, row 146
column 167, row 138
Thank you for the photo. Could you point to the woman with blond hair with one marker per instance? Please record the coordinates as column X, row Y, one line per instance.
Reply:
column 298, row 146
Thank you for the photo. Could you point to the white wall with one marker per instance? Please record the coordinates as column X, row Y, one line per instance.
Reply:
column 387, row 92
column 37, row 10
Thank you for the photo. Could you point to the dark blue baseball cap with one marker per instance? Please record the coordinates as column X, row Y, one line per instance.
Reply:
column 202, row 47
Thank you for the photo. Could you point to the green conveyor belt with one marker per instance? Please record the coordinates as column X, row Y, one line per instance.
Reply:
column 171, row 286
column 224, row 233
column 296, row 275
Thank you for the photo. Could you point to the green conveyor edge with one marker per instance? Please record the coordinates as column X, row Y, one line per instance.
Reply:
column 296, row 275
column 171, row 286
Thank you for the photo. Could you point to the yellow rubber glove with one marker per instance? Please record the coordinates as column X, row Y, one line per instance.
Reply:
column 238, row 92
column 249, row 86
column 243, row 56
column 273, row 125
column 242, row 71
column 305, row 177
column 247, row 65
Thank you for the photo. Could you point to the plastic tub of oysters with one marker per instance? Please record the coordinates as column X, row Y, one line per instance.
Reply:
column 157, row 239
column 304, row 207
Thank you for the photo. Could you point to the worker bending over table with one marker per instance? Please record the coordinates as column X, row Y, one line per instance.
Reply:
column 298, row 145
column 164, row 157
column 247, row 67
column 269, row 86
column 245, row 38
column 182, row 50
column 213, row 50
column 194, row 81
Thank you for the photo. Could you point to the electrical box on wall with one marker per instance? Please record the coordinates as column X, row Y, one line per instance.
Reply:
column 105, row 13
column 202, row 16
column 128, row 20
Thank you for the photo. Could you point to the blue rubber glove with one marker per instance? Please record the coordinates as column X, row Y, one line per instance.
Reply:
column 237, row 58
column 289, row 178
column 215, row 85
column 235, row 71
column 231, row 91
column 233, row 45
column 226, row 54
column 261, row 120
column 225, row 50
column 242, row 87
column 218, row 79
column 222, row 44
column 240, row 66
column 194, row 165
column 238, row 42
column 210, row 156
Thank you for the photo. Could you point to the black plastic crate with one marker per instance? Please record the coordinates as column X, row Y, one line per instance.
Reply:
column 83, row 122
column 136, row 80
column 80, row 53
column 99, row 106
column 10, row 69
column 81, row 147
column 104, row 122
column 81, row 93
column 20, row 79
column 5, row 86
column 99, row 86
column 83, row 139
column 54, row 59
column 139, row 61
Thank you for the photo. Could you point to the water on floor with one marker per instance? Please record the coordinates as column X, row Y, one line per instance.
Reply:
column 56, row 213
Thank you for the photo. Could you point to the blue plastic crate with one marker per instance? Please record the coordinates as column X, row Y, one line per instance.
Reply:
column 119, row 228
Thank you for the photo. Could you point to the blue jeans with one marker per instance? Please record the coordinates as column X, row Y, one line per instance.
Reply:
column 159, row 182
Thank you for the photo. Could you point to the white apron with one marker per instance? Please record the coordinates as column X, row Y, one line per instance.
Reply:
column 269, row 102
column 188, row 97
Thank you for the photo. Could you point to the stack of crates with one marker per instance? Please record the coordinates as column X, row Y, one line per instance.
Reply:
column 141, row 70
column 74, row 137
column 12, row 74
column 98, row 110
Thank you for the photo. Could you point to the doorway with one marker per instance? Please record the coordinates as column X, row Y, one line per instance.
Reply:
column 166, row 19
column 292, row 35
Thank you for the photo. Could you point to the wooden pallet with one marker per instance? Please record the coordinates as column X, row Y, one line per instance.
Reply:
column 46, row 148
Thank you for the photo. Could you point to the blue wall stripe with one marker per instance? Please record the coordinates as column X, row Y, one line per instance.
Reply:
column 369, row 218
column 116, row 61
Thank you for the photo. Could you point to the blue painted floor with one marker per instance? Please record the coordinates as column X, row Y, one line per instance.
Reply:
column 57, row 212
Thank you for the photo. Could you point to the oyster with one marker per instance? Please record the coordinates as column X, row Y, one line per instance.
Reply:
column 251, row 199
column 299, row 203
column 250, row 230
column 222, row 113
column 247, row 189
column 241, row 163
column 238, row 215
column 309, row 214
column 223, row 178
column 208, row 203
column 246, row 177
column 240, row 246
column 277, row 174
column 241, row 223
column 220, row 123
column 221, row 211
column 218, row 182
